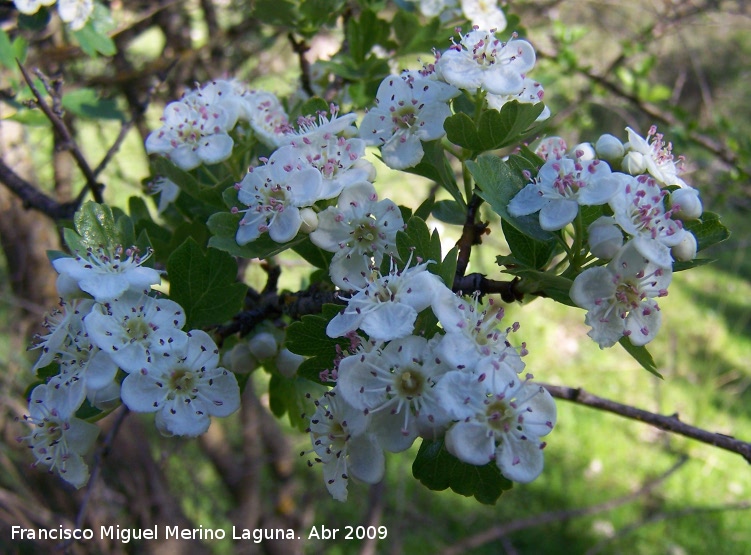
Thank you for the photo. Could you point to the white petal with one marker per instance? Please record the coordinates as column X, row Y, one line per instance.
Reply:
column 520, row 460
column 389, row 321
column 215, row 148
column 366, row 460
column 592, row 285
column 558, row 213
column 403, row 150
column 471, row 443
column 527, row 201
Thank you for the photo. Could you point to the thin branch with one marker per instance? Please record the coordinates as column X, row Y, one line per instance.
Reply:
column 34, row 198
column 668, row 423
column 501, row 530
column 59, row 125
column 300, row 48
column 476, row 282
column 471, row 235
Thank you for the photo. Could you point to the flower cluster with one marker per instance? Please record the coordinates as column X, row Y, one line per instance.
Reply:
column 647, row 202
column 73, row 12
column 197, row 128
column 396, row 385
column 112, row 341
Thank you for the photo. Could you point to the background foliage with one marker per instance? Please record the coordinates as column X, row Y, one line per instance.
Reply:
column 610, row 485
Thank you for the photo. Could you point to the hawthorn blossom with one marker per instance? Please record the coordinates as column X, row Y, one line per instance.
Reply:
column 485, row 13
column 387, row 307
column 561, row 186
column 266, row 117
column 75, row 12
column 446, row 9
column 685, row 204
column 395, row 384
column 340, row 161
column 639, row 210
column 481, row 61
column 58, row 439
column 192, row 133
column 501, row 422
column 360, row 230
column 551, row 148
column 63, row 327
column 105, row 274
column 30, row 7
column 408, row 111
column 322, row 125
column 473, row 340
column 184, row 388
column 338, row 432
column 86, row 372
column 656, row 156
column 530, row 93
column 274, row 194
column 620, row 297
column 137, row 330
column 167, row 190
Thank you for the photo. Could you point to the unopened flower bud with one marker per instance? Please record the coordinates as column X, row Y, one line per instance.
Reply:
column 605, row 237
column 686, row 249
column 240, row 360
column 609, row 147
column 262, row 345
column 686, row 203
column 309, row 220
column 634, row 163
column 288, row 362
column 584, row 151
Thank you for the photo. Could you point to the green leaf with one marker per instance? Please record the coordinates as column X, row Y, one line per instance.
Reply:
column 293, row 397
column 94, row 42
column 708, row 230
column 308, row 337
column 313, row 254
column 204, row 284
column 223, row 227
column 448, row 267
column 213, row 196
column 437, row 469
column 87, row 104
column 500, row 129
column 275, row 12
column 364, row 33
column 435, row 166
column 461, row 130
column 416, row 241
column 527, row 250
column 95, row 224
column 498, row 184
column 7, row 54
column 450, row 212
column 535, row 282
column 641, row 355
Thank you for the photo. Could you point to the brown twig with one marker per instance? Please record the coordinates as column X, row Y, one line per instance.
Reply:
column 501, row 530
column 34, row 198
column 668, row 423
column 471, row 235
column 300, row 48
column 59, row 125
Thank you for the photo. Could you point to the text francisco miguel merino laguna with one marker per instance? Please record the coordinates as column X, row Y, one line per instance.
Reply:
column 125, row 535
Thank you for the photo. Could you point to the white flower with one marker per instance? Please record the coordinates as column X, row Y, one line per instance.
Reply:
column 192, row 134
column 620, row 297
column 561, row 186
column 395, row 384
column 58, row 439
column 63, row 327
column 530, row 93
column 312, row 128
column 432, row 8
column 359, row 231
column 408, row 111
column 657, row 156
column 473, row 341
column 485, row 13
column 340, row 439
column 503, row 423
column 640, row 211
column 184, row 388
column 482, row 61
column 274, row 194
column 605, row 238
column 686, row 249
column 387, row 307
column 168, row 192
column 340, row 161
column 267, row 118
column 75, row 12
column 105, row 274
column 30, row 7
column 136, row 330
